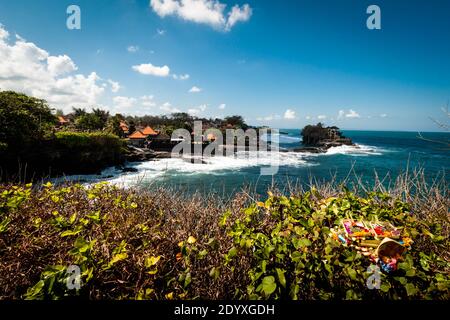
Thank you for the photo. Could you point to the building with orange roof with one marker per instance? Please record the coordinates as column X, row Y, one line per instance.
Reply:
column 138, row 135
column 137, row 138
column 124, row 127
column 62, row 121
column 149, row 131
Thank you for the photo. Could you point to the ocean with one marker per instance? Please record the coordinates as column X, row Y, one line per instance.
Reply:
column 386, row 153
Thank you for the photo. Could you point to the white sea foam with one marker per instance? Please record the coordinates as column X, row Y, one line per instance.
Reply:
column 358, row 150
column 218, row 165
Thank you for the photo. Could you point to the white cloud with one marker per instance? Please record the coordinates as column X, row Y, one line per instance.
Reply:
column 238, row 14
column 26, row 68
column 195, row 89
column 3, row 33
column 383, row 115
column 164, row 7
column 308, row 117
column 167, row 108
column 321, row 117
column 147, row 101
column 222, row 106
column 115, row 86
column 161, row 32
column 352, row 114
column 124, row 102
column 181, row 76
column 210, row 12
column 133, row 49
column 197, row 110
column 269, row 117
column 289, row 114
column 149, row 69
column 139, row 106
column 60, row 65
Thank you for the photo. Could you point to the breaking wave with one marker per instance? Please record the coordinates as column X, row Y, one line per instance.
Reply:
column 217, row 165
column 357, row 150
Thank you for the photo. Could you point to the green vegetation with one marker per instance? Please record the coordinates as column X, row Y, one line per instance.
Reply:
column 31, row 146
column 135, row 244
column 24, row 121
column 75, row 151
column 80, row 140
column 185, row 121
column 36, row 143
column 315, row 134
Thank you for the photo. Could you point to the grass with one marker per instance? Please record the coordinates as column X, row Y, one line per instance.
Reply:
column 163, row 244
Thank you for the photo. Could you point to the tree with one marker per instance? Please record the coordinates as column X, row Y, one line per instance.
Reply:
column 78, row 112
column 236, row 121
column 89, row 121
column 313, row 134
column 102, row 115
column 113, row 125
column 23, row 120
column 131, row 127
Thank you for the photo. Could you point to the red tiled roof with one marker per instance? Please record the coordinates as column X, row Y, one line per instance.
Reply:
column 137, row 135
column 123, row 125
column 149, row 131
column 61, row 119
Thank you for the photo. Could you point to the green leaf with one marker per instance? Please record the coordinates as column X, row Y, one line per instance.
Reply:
column 300, row 243
column 35, row 292
column 117, row 258
column 411, row 272
column 72, row 218
column 187, row 279
column 81, row 244
column 151, row 261
column 223, row 218
column 4, row 224
column 295, row 289
column 411, row 289
column 385, row 286
column 232, row 252
column 214, row 273
column 263, row 266
column 402, row 280
column 202, row 254
column 268, row 285
column 68, row 233
column 281, row 277
column 351, row 273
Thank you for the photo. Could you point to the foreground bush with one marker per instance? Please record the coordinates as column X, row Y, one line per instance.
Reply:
column 134, row 244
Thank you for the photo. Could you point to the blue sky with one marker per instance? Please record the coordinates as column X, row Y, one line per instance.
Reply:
column 277, row 63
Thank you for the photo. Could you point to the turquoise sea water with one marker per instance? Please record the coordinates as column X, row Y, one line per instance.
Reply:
column 387, row 153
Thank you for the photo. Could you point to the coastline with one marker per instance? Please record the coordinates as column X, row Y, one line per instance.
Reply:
column 385, row 154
